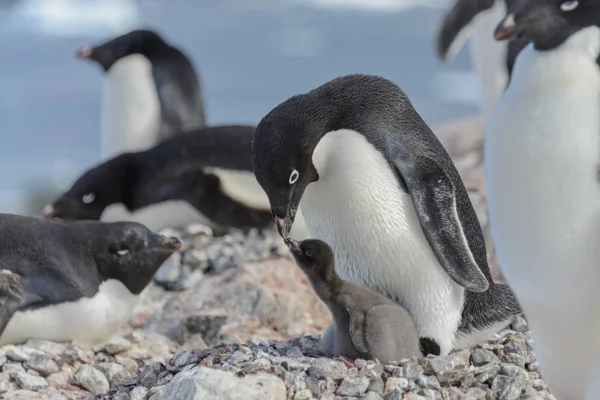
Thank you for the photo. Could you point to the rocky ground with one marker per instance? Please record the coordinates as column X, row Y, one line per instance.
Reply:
column 231, row 317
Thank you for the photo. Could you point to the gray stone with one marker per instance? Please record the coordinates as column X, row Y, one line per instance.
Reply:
column 476, row 394
column 113, row 372
column 480, row 357
column 353, row 386
column 138, row 393
column 52, row 394
column 449, row 369
column 16, row 354
column 91, row 380
column 304, row 394
column 452, row 393
column 488, row 372
column 203, row 383
column 428, row 382
column 294, row 352
column 507, row 387
column 51, row 349
column 325, row 368
column 170, row 274
column 21, row 395
column 411, row 370
column 117, row 345
column 206, row 323
column 4, row 382
column 12, row 368
column 372, row 396
column 238, row 357
column 42, row 364
column 399, row 384
column 30, row 382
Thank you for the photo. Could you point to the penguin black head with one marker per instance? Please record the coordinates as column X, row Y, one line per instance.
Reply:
column 547, row 23
column 95, row 190
column 141, row 41
column 314, row 256
column 129, row 252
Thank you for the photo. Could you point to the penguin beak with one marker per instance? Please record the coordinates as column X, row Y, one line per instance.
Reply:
column 506, row 29
column 84, row 52
column 293, row 245
column 170, row 244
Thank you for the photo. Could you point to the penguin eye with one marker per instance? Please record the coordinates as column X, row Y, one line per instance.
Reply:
column 308, row 253
column 569, row 5
column 88, row 198
column 123, row 252
column 294, row 177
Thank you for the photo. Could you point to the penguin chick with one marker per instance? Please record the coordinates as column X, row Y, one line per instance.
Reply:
column 366, row 325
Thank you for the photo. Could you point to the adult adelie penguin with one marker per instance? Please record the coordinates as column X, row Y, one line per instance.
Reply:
column 375, row 183
column 492, row 60
column 541, row 170
column 152, row 91
column 73, row 281
column 201, row 176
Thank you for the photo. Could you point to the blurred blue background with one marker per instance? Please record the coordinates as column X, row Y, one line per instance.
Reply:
column 250, row 55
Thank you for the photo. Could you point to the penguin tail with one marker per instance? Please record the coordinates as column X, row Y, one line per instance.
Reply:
column 482, row 310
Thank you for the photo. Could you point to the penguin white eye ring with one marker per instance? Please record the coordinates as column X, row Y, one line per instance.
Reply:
column 88, row 198
column 123, row 252
column 294, row 177
column 569, row 5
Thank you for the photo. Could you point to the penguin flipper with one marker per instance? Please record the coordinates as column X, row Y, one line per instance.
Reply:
column 433, row 194
column 13, row 296
column 455, row 26
column 356, row 325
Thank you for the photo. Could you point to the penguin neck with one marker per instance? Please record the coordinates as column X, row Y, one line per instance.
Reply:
column 326, row 288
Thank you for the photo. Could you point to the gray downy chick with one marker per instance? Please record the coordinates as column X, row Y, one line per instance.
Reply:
column 366, row 324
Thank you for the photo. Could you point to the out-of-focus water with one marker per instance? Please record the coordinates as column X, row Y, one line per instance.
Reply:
column 251, row 55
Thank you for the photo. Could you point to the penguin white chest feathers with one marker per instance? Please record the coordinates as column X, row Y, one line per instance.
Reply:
column 131, row 119
column 86, row 321
column 541, row 168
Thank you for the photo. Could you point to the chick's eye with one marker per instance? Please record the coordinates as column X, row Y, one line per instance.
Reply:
column 569, row 5
column 308, row 253
column 88, row 198
column 294, row 177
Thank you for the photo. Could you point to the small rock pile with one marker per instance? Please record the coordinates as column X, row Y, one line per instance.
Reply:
column 504, row 369
column 45, row 370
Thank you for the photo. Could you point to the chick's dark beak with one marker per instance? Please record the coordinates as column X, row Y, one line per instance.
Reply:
column 171, row 244
column 293, row 245
column 506, row 29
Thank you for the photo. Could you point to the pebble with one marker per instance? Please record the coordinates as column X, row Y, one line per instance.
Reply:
column 91, row 379
column 42, row 364
column 30, row 382
column 117, row 345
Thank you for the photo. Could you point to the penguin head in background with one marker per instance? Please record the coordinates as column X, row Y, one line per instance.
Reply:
column 547, row 23
column 128, row 251
column 141, row 41
column 282, row 151
column 95, row 190
column 314, row 257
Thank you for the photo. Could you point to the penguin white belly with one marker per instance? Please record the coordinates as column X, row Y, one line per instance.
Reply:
column 359, row 209
column 86, row 321
column 131, row 110
column 489, row 56
column 541, row 164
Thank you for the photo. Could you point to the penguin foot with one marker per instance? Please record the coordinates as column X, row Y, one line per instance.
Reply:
column 347, row 362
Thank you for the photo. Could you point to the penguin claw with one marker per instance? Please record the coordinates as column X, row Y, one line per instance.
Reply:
column 347, row 362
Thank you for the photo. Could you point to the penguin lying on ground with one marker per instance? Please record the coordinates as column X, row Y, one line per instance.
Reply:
column 374, row 182
column 366, row 324
column 541, row 171
column 204, row 176
column 152, row 91
column 492, row 60
column 73, row 281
